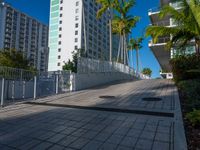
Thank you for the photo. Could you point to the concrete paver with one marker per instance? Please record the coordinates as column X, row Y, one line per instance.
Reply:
column 27, row 126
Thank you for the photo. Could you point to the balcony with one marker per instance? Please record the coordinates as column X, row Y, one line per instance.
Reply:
column 154, row 10
column 160, row 41
column 162, row 23
column 177, row 4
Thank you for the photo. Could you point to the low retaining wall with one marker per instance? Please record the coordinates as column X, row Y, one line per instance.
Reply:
column 84, row 81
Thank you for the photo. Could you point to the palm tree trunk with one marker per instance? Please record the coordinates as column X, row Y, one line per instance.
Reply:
column 128, row 60
column 137, row 58
column 132, row 59
column 122, row 45
column 124, row 51
column 119, row 48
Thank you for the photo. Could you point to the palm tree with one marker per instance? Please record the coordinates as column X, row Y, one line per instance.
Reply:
column 136, row 44
column 147, row 71
column 122, row 25
column 195, row 7
column 107, row 5
column 187, row 29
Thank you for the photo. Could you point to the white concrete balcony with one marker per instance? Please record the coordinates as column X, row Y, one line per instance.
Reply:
column 162, row 23
column 161, row 41
column 155, row 10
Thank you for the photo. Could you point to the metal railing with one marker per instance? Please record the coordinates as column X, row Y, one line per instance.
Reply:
column 17, row 74
column 19, row 84
column 86, row 65
column 176, row 5
column 154, row 10
column 162, row 23
column 162, row 40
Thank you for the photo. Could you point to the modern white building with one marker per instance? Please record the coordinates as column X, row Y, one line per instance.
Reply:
column 72, row 28
column 163, row 56
column 24, row 33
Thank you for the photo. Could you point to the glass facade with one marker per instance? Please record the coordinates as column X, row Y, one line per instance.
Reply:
column 53, row 33
column 188, row 50
column 176, row 4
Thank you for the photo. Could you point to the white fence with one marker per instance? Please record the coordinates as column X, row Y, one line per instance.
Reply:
column 96, row 66
column 91, row 65
column 18, row 84
column 91, row 73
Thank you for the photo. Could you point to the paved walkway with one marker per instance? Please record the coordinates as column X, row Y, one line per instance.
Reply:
column 89, row 120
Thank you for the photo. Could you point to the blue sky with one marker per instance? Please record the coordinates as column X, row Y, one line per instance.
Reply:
column 39, row 9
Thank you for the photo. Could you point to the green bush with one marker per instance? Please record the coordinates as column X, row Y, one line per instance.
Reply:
column 185, row 67
column 194, row 117
column 191, row 91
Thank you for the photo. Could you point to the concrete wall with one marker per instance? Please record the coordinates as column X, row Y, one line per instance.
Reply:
column 84, row 81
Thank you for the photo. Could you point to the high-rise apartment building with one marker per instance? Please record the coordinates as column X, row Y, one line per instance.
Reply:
column 72, row 28
column 24, row 33
column 163, row 56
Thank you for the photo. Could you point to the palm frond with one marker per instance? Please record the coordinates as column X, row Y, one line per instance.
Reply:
column 127, row 6
column 195, row 8
column 101, row 11
column 158, row 31
column 135, row 43
column 172, row 12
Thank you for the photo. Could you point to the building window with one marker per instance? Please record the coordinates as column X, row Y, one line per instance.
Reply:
column 59, row 42
column 77, row 3
column 59, row 50
column 60, row 29
column 77, row 11
column 76, row 18
column 60, row 35
column 60, row 22
column 61, row 15
column 61, row 1
column 76, row 39
column 76, row 32
column 61, row 8
column 75, row 47
column 76, row 25
column 58, row 64
column 59, row 56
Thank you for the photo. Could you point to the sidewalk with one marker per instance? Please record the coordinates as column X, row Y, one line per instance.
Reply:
column 108, row 117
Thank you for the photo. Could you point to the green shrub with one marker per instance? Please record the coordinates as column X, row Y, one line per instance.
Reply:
column 194, row 117
column 185, row 67
column 191, row 91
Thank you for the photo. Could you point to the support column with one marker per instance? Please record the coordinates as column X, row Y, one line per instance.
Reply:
column 35, row 88
column 24, row 89
column 72, row 82
column 56, row 83
column 13, row 90
column 2, row 92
